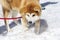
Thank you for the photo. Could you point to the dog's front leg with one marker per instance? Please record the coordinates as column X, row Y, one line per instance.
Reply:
column 14, row 16
column 37, row 27
column 24, row 23
column 6, row 13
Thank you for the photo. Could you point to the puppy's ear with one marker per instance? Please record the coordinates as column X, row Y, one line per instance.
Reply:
column 37, row 8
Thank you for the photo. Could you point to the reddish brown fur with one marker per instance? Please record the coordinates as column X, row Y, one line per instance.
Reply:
column 30, row 9
column 23, row 6
column 15, row 3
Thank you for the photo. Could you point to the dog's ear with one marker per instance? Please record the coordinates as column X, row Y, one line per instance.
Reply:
column 37, row 8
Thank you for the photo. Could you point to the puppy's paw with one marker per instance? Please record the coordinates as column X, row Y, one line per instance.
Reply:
column 26, row 30
column 37, row 32
column 10, row 30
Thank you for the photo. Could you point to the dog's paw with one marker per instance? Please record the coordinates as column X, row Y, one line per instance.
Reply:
column 10, row 30
column 26, row 29
column 37, row 32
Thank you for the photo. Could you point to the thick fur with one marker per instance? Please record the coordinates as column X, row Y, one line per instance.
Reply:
column 24, row 7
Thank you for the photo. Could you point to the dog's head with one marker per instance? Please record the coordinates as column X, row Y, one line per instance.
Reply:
column 31, row 12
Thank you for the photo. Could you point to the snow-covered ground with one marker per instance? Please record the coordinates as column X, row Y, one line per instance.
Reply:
column 50, row 25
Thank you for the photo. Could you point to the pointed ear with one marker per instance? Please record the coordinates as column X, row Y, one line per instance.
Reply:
column 37, row 8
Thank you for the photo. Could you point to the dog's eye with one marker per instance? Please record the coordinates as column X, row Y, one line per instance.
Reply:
column 28, row 15
column 33, row 15
column 36, row 11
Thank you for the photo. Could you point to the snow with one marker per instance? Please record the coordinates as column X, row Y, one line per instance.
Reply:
column 50, row 25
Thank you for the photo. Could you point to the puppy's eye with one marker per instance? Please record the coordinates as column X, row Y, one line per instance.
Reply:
column 33, row 15
column 36, row 11
column 28, row 15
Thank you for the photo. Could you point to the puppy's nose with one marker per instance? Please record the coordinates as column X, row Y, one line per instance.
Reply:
column 30, row 22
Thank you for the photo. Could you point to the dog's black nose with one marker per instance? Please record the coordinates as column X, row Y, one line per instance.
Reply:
column 30, row 22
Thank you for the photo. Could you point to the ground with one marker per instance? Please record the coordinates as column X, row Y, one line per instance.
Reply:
column 50, row 24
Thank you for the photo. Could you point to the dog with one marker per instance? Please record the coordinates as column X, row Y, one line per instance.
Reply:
column 30, row 11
